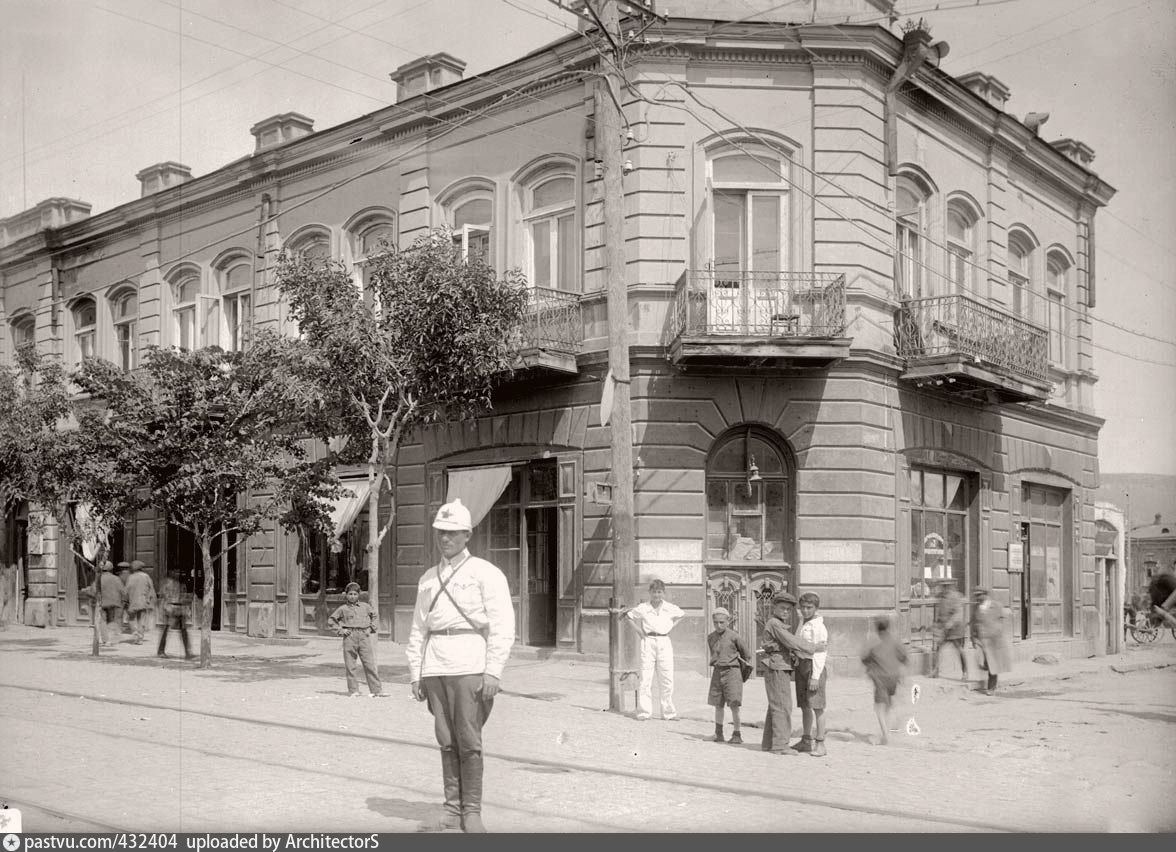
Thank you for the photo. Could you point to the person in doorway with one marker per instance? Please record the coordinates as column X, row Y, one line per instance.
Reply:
column 355, row 620
column 140, row 600
column 654, row 619
column 463, row 627
column 948, row 627
column 884, row 660
column 728, row 656
column 780, row 646
column 988, row 630
column 811, row 674
column 175, row 612
column 111, row 593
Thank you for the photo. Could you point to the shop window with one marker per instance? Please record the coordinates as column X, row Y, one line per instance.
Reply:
column 1047, row 560
column 940, row 532
column 748, row 501
column 328, row 564
column 124, row 307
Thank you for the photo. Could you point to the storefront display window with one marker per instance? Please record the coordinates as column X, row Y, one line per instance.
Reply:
column 746, row 495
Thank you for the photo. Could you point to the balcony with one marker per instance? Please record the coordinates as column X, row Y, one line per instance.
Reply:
column 758, row 319
column 962, row 346
column 552, row 332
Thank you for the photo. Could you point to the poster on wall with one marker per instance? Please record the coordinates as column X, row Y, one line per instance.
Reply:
column 1016, row 557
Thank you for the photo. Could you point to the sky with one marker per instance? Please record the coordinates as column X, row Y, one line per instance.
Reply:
column 111, row 86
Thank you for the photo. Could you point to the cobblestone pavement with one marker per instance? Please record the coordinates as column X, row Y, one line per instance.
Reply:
column 267, row 740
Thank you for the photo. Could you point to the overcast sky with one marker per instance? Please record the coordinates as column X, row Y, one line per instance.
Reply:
column 110, row 86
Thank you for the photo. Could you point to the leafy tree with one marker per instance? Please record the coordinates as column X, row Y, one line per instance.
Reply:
column 213, row 440
column 423, row 344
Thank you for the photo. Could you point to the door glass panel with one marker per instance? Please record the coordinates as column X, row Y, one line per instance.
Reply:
column 541, row 243
column 730, row 227
column 956, row 495
column 765, row 236
column 541, row 478
column 566, row 247
column 933, row 490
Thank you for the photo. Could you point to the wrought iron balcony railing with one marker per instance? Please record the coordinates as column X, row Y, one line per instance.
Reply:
column 958, row 325
column 759, row 304
column 553, row 322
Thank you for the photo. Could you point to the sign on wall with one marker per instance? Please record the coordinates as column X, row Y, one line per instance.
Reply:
column 1016, row 557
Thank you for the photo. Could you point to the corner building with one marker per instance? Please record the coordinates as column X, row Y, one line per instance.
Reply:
column 860, row 297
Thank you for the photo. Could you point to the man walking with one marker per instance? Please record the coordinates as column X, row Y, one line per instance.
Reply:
column 140, row 600
column 948, row 629
column 779, row 643
column 110, row 598
column 462, row 631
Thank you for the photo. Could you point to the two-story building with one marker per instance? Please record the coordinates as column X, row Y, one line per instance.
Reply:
column 859, row 296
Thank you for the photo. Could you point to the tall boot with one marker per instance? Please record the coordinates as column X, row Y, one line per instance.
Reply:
column 471, row 793
column 450, row 818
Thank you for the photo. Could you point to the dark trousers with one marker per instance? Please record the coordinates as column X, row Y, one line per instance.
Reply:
column 174, row 619
column 778, row 722
column 459, row 712
column 358, row 652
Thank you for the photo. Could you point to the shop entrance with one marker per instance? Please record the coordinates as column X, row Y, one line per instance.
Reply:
column 183, row 556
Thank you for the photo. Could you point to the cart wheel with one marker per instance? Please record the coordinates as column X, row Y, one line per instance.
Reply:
column 1142, row 633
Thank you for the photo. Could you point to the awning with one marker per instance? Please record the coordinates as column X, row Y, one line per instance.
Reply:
column 478, row 487
column 93, row 535
column 346, row 509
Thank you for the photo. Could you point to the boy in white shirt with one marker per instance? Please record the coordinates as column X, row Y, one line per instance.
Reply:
column 811, row 675
column 654, row 620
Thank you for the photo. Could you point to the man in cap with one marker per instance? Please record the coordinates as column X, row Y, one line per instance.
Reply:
column 140, row 600
column 779, row 644
column 462, row 631
column 110, row 598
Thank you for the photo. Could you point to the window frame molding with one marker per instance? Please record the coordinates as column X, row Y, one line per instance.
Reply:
column 1022, row 238
column 1059, row 260
column 925, row 281
column 173, row 279
column 74, row 355
column 116, row 295
column 308, row 233
column 221, row 266
column 462, row 191
column 967, row 208
column 523, row 183
column 21, row 318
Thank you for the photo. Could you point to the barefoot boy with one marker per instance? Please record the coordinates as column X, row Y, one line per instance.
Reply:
column 728, row 655
column 884, row 659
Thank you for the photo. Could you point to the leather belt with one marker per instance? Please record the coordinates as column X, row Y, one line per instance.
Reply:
column 455, row 631
column 657, row 634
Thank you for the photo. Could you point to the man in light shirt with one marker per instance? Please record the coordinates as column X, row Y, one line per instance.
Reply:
column 462, row 631
column 654, row 619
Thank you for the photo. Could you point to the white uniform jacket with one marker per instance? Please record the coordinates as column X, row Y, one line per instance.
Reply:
column 657, row 621
column 481, row 590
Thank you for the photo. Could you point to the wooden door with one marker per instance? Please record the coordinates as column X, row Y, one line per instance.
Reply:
column 541, row 575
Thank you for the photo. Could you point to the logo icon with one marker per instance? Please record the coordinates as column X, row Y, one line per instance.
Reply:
column 11, row 842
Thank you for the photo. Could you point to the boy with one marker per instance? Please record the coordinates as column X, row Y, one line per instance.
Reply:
column 353, row 621
column 728, row 655
column 884, row 659
column 780, row 647
column 654, row 620
column 811, row 675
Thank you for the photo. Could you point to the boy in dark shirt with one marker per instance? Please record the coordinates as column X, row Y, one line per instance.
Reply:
column 884, row 660
column 728, row 656
column 353, row 621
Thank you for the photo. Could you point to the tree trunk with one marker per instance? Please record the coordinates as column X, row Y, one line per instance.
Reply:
column 94, row 611
column 208, row 601
column 373, row 549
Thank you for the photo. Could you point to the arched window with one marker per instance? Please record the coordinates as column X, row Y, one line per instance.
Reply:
column 749, row 203
column 371, row 235
column 910, row 230
column 24, row 331
column 311, row 244
column 550, row 216
column 961, row 246
column 1057, row 267
column 185, row 289
column 124, row 309
column 748, row 500
column 234, row 278
column 1021, row 247
column 468, row 210
column 84, row 316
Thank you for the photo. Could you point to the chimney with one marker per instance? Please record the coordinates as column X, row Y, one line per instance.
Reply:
column 987, row 87
column 425, row 74
column 280, row 129
column 162, row 176
column 1080, row 153
column 50, row 213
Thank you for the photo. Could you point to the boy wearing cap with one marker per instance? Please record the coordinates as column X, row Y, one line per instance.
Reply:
column 780, row 645
column 110, row 597
column 811, row 675
column 462, row 631
column 140, row 600
column 728, row 655
column 353, row 621
column 654, row 619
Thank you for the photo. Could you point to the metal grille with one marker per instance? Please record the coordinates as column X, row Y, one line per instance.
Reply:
column 553, row 322
column 726, row 594
column 958, row 325
column 760, row 304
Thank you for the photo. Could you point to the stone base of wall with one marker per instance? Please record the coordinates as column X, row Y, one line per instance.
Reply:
column 40, row 612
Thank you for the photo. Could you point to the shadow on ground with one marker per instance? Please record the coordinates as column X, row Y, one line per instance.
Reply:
column 401, row 808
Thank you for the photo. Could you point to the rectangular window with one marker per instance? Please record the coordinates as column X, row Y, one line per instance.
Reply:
column 1057, row 328
column 745, row 521
column 941, row 546
column 185, row 327
column 957, row 267
column 237, row 318
column 1020, row 285
column 1050, row 582
column 124, row 335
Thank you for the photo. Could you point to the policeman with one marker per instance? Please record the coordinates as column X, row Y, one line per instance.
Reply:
column 779, row 643
column 462, row 631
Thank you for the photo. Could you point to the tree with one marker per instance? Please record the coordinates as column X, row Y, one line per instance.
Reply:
column 423, row 344
column 213, row 440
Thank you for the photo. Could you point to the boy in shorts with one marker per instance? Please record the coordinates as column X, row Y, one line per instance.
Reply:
column 884, row 659
column 811, row 675
column 728, row 656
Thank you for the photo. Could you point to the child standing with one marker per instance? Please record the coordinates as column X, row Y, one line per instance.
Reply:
column 811, row 675
column 884, row 659
column 728, row 655
column 654, row 619
column 353, row 621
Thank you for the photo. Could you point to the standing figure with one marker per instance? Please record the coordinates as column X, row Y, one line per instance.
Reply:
column 989, row 631
column 729, row 656
column 140, row 600
column 355, row 621
column 780, row 646
column 654, row 619
column 175, row 605
column 811, row 674
column 124, row 576
column 462, row 631
column 884, row 659
column 948, row 628
column 110, row 597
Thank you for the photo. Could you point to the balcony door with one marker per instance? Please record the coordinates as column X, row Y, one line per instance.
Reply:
column 749, row 253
